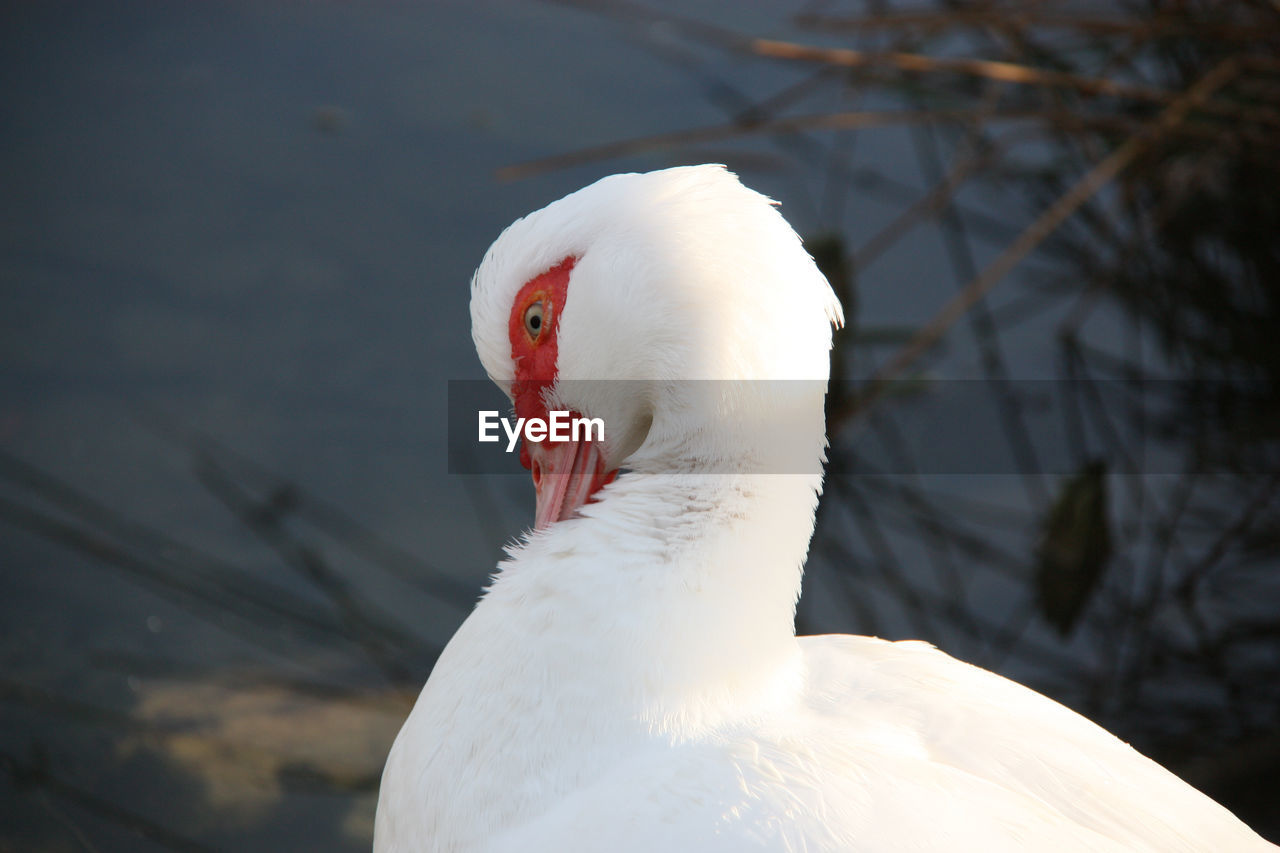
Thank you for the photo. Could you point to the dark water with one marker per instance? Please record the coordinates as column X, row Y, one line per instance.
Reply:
column 235, row 251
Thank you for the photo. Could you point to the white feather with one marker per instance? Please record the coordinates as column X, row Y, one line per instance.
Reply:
column 631, row 681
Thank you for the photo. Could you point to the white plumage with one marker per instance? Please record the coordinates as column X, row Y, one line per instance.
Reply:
column 631, row 680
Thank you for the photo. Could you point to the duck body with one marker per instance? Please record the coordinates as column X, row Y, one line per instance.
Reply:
column 631, row 680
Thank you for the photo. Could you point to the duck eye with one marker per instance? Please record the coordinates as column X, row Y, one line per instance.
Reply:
column 533, row 319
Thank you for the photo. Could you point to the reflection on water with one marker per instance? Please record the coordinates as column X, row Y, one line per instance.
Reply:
column 248, row 743
column 236, row 248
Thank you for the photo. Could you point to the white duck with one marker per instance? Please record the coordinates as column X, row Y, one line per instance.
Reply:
column 632, row 681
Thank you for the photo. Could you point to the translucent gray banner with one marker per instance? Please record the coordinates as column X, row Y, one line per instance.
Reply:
column 925, row 427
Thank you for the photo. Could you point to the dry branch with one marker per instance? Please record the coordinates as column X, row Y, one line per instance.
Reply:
column 1067, row 204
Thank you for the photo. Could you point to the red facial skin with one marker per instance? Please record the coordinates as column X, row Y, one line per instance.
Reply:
column 576, row 469
column 536, row 358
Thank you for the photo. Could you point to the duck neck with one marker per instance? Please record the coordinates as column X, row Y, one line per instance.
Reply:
column 677, row 588
column 664, row 610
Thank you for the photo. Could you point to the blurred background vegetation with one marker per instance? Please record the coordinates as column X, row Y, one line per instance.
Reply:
column 236, row 250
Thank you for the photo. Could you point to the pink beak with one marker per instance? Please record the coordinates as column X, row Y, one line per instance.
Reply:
column 565, row 474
